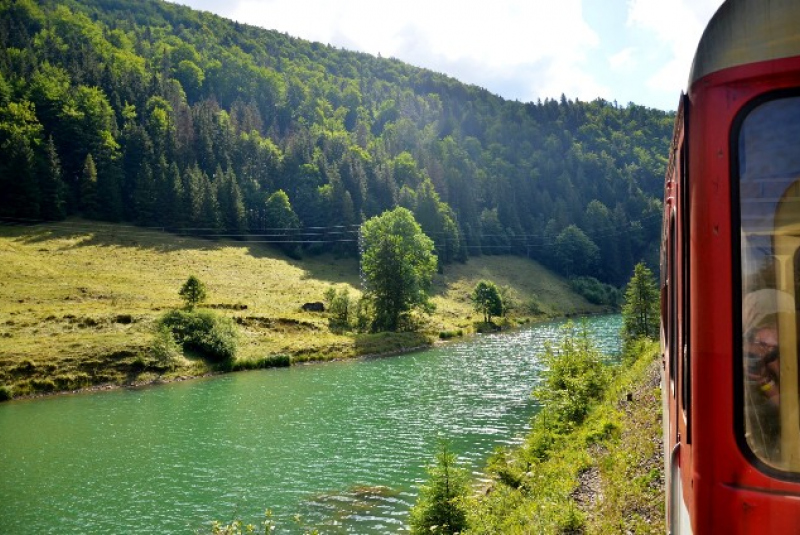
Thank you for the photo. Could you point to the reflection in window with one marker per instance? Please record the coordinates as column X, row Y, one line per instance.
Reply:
column 769, row 189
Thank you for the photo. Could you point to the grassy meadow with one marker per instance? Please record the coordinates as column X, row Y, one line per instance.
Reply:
column 79, row 302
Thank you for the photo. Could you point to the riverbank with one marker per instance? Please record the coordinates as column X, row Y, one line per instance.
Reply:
column 604, row 476
column 342, row 446
column 79, row 302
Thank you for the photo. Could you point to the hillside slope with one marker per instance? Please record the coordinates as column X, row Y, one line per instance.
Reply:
column 148, row 112
column 79, row 301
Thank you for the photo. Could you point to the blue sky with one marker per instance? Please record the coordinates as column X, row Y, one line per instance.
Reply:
column 625, row 50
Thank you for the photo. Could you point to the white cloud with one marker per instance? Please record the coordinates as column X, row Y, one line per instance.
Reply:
column 678, row 25
column 487, row 45
column 519, row 49
column 623, row 61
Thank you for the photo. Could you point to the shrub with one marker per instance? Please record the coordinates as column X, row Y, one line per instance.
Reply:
column 269, row 361
column 209, row 334
column 6, row 392
column 440, row 505
column 165, row 349
column 72, row 381
column 632, row 348
column 575, row 377
column 447, row 335
column 596, row 292
column 339, row 304
column 43, row 385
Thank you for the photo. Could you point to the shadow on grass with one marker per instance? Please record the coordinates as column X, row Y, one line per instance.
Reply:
column 329, row 267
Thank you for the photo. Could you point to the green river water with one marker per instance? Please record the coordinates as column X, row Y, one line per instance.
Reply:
column 340, row 447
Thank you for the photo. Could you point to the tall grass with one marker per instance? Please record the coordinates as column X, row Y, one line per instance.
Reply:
column 582, row 471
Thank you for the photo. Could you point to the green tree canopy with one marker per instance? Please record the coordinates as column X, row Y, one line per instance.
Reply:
column 575, row 252
column 279, row 214
column 487, row 299
column 346, row 136
column 281, row 221
column 640, row 313
column 398, row 264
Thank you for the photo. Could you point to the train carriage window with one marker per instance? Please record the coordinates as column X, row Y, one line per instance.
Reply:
column 673, row 304
column 769, row 214
column 686, row 366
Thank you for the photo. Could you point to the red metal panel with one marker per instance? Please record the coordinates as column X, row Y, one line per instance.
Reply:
column 723, row 491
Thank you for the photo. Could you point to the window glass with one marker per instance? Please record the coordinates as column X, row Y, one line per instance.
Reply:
column 769, row 190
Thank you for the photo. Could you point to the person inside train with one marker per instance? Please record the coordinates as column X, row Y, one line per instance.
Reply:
column 762, row 368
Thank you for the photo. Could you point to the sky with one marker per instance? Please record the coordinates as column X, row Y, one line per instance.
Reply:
column 626, row 51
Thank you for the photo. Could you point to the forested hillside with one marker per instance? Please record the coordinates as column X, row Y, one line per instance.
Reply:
column 149, row 112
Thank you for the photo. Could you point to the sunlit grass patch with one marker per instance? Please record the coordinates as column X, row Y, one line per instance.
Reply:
column 604, row 476
column 82, row 299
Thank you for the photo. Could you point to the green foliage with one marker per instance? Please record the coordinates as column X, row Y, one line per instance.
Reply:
column 238, row 527
column 640, row 313
column 575, row 252
column 339, row 308
column 574, row 378
column 487, row 300
column 596, row 292
column 266, row 527
column 164, row 97
column 398, row 263
column 281, row 221
column 211, row 335
column 440, row 507
column 165, row 349
column 6, row 393
column 633, row 348
column 383, row 343
column 547, row 485
column 193, row 292
column 267, row 361
column 447, row 335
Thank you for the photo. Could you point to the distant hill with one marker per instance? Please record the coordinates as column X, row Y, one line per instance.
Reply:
column 148, row 112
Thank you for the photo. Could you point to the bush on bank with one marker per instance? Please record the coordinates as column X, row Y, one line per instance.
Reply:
column 211, row 335
column 589, row 464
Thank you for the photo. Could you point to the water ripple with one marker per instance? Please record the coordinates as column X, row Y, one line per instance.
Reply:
column 344, row 445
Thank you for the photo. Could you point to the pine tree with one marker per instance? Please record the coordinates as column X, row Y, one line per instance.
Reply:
column 640, row 313
column 233, row 213
column 193, row 292
column 54, row 190
column 174, row 206
column 88, row 188
column 145, row 195
column 440, row 505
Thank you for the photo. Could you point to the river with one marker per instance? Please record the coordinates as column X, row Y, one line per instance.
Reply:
column 340, row 447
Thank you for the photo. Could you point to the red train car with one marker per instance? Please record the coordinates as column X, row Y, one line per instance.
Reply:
column 730, row 269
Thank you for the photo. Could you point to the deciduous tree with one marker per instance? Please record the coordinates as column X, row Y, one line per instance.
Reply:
column 487, row 300
column 398, row 264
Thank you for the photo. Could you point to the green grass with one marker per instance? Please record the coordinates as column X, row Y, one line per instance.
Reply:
column 604, row 477
column 79, row 302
